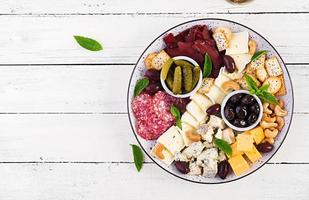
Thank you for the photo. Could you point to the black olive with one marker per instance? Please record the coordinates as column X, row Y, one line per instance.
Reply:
column 240, row 123
column 229, row 113
column 241, row 112
column 247, row 100
column 236, row 98
column 255, row 108
column 252, row 118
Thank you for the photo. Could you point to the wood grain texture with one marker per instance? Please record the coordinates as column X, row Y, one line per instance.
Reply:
column 114, row 182
column 133, row 7
column 92, row 138
column 90, row 88
column 49, row 39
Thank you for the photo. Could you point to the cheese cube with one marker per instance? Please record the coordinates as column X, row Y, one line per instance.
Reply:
column 186, row 128
column 253, row 155
column 228, row 135
column 168, row 158
column 193, row 150
column 203, row 102
column 215, row 121
column 238, row 44
column 189, row 119
column 257, row 134
column 199, row 114
column 215, row 94
column 219, row 134
column 172, row 140
column 235, row 152
column 241, row 60
column 244, row 142
column 239, row 164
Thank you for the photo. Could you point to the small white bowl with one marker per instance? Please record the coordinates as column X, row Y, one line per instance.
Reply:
column 198, row 85
column 231, row 125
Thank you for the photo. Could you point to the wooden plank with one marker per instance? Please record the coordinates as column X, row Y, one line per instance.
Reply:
column 100, row 138
column 48, row 39
column 105, row 181
column 89, row 89
column 137, row 6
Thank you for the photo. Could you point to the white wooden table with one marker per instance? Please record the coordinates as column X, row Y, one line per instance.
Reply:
column 64, row 131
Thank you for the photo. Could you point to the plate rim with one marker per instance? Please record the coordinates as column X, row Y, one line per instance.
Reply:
column 135, row 134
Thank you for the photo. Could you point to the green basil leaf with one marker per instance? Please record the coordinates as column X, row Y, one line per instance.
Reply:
column 223, row 146
column 207, row 66
column 264, row 87
column 268, row 97
column 88, row 43
column 178, row 123
column 258, row 54
column 140, row 86
column 138, row 157
column 251, row 83
column 175, row 112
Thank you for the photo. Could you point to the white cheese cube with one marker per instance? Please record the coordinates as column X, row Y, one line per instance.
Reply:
column 203, row 102
column 215, row 121
column 193, row 150
column 196, row 111
column 238, row 43
column 181, row 157
column 172, row 140
column 210, row 170
column 206, row 132
column 215, row 94
column 228, row 135
column 168, row 157
column 189, row 119
column 194, row 169
column 219, row 134
column 241, row 60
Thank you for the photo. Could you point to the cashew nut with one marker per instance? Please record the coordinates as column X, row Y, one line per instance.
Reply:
column 272, row 106
column 266, row 125
column 281, row 103
column 252, row 47
column 267, row 118
column 271, row 133
column 280, row 112
column 226, row 31
column 193, row 136
column 228, row 85
column 266, row 109
column 280, row 122
column 158, row 149
column 269, row 140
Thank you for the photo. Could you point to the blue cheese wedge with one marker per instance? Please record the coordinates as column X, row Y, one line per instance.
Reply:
column 172, row 140
column 189, row 119
column 201, row 100
column 238, row 44
column 215, row 94
column 241, row 60
column 199, row 114
column 217, row 122
column 168, row 157
column 193, row 150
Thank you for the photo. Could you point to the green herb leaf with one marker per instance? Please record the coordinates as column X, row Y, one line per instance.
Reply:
column 258, row 54
column 268, row 97
column 223, row 146
column 138, row 157
column 251, row 83
column 140, row 86
column 88, row 43
column 264, row 87
column 207, row 66
column 176, row 113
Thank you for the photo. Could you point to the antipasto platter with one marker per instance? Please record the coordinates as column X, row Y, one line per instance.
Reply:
column 210, row 101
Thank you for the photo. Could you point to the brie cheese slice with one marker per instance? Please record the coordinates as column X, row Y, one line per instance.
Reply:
column 216, row 94
column 189, row 119
column 199, row 114
column 201, row 100
column 238, row 44
column 172, row 140
column 241, row 60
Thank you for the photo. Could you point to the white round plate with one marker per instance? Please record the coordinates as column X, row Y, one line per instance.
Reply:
column 158, row 45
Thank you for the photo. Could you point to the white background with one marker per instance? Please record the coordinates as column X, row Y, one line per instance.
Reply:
column 64, row 130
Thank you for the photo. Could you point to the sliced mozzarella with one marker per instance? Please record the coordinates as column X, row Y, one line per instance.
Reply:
column 199, row 114
column 215, row 94
column 241, row 60
column 189, row 119
column 215, row 121
column 203, row 101
column 238, row 43
column 168, row 157
column 184, row 129
column 172, row 140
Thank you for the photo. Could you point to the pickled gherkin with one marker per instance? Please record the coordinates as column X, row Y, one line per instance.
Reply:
column 183, row 63
column 166, row 67
column 196, row 76
column 177, row 83
column 187, row 77
column 169, row 80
